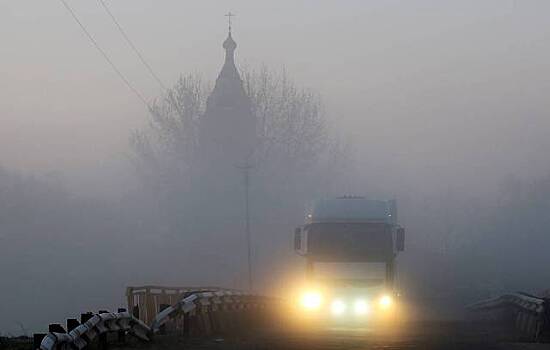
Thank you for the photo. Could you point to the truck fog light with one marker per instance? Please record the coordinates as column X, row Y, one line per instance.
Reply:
column 386, row 302
column 311, row 300
column 361, row 307
column 338, row 307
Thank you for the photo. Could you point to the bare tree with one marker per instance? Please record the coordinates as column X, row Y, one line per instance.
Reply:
column 167, row 147
column 292, row 126
column 291, row 129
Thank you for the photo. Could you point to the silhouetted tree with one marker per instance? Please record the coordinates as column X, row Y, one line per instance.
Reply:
column 167, row 147
column 292, row 128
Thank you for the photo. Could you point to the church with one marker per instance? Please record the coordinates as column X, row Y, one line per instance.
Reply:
column 227, row 130
column 226, row 142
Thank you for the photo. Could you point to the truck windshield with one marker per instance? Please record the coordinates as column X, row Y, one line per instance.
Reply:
column 350, row 242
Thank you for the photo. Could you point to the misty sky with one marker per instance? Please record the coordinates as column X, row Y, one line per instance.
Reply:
column 433, row 93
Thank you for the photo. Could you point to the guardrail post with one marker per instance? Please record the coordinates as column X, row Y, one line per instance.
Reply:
column 130, row 297
column 545, row 321
column 240, row 311
column 85, row 317
column 248, row 314
column 232, row 316
column 215, row 320
column 150, row 310
column 186, row 325
column 162, row 329
column 56, row 328
column 204, row 322
column 135, row 311
column 212, row 316
column 102, row 338
column 220, row 318
column 72, row 323
column 121, row 333
column 37, row 339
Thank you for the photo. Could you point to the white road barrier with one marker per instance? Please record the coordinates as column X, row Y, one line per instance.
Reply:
column 98, row 324
column 531, row 313
column 203, row 311
column 209, row 302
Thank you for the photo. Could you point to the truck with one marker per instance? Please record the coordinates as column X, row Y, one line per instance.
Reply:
column 350, row 245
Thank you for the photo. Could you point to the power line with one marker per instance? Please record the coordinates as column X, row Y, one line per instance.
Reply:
column 105, row 56
column 130, row 42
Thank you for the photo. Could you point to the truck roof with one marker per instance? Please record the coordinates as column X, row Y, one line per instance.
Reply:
column 352, row 209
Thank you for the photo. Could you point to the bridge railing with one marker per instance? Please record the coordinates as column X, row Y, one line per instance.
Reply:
column 145, row 302
column 213, row 311
column 530, row 314
column 79, row 335
column 197, row 311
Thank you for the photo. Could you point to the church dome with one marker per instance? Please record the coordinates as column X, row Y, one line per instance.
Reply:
column 229, row 43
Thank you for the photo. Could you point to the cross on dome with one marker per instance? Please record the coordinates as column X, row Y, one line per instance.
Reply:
column 229, row 15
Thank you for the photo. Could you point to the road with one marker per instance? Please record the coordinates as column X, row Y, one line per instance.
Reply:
column 425, row 335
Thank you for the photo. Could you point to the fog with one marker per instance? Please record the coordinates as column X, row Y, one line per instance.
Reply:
column 441, row 106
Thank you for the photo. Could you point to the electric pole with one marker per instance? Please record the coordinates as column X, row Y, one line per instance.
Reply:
column 246, row 177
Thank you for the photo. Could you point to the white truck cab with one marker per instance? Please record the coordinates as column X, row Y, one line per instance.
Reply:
column 350, row 245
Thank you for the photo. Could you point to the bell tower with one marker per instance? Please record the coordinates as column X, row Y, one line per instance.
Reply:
column 227, row 131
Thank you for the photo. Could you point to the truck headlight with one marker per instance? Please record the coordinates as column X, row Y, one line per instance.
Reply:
column 385, row 302
column 361, row 307
column 311, row 300
column 338, row 307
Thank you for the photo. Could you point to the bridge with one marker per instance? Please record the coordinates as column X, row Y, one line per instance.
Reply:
column 220, row 318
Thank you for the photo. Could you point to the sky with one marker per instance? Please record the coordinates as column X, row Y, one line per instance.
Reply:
column 431, row 93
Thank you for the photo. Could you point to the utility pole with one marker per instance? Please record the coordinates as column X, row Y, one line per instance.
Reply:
column 246, row 176
column 245, row 167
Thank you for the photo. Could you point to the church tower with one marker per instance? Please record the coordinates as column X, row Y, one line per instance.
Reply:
column 227, row 131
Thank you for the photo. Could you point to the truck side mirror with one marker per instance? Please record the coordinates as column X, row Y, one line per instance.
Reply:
column 400, row 243
column 297, row 239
